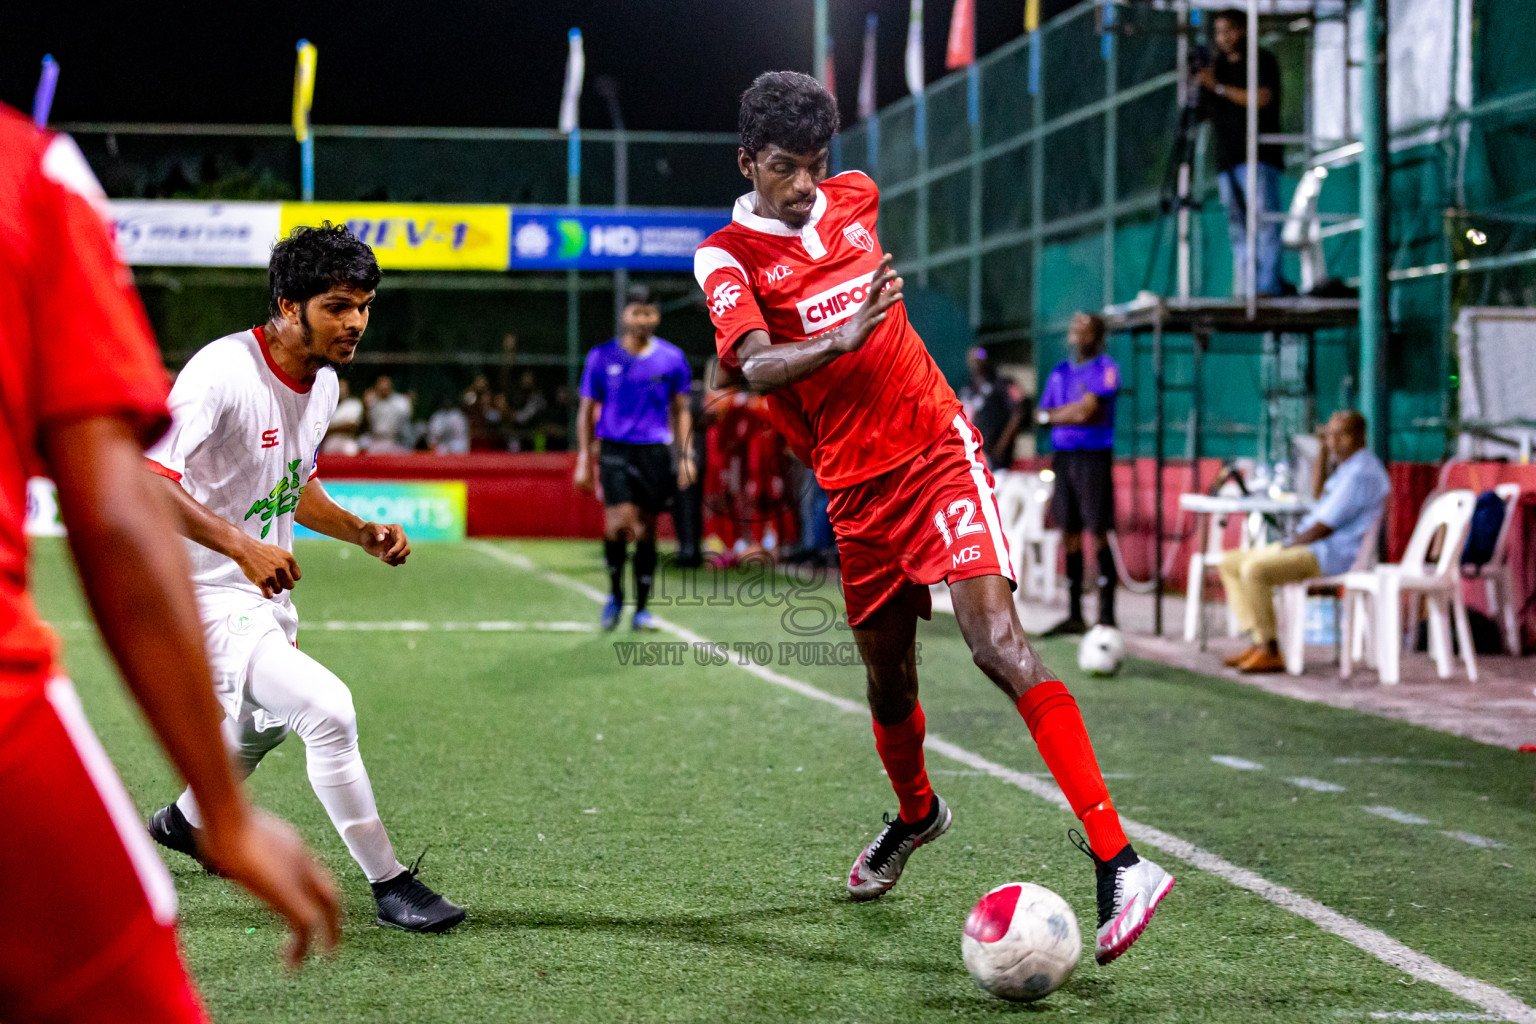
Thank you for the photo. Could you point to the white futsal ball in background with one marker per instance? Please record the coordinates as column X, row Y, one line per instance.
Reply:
column 1102, row 651
column 1021, row 942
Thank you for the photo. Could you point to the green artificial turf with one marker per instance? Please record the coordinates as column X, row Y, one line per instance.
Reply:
column 671, row 842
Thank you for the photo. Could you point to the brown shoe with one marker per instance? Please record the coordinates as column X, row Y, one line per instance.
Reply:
column 1241, row 656
column 1262, row 660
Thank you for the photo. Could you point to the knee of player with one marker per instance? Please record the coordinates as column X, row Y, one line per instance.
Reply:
column 335, row 718
column 997, row 656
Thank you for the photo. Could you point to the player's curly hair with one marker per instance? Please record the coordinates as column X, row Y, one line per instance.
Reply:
column 789, row 110
column 311, row 261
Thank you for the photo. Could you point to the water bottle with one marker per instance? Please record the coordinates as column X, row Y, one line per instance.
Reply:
column 1280, row 483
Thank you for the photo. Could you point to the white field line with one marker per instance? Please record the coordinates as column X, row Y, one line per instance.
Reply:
column 1475, row 840
column 1238, row 763
column 1316, row 785
column 1427, row 1015
column 1377, row 943
column 412, row 626
column 1393, row 814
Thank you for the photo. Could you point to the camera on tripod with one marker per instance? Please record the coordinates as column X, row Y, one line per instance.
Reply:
column 1200, row 59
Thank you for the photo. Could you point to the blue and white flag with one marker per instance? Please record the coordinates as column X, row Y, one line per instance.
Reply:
column 867, row 69
column 915, row 48
column 575, row 71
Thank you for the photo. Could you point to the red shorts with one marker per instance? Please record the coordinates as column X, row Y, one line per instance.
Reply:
column 934, row 518
column 89, row 905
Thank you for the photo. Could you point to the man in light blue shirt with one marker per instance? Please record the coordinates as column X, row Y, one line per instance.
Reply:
column 1349, row 503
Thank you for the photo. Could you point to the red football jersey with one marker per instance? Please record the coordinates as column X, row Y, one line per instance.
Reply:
column 74, row 342
column 863, row 413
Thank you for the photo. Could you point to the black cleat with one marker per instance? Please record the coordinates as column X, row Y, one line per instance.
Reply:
column 405, row 903
column 1072, row 626
column 171, row 829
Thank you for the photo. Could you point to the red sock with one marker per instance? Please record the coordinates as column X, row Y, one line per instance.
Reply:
column 901, row 751
column 1057, row 726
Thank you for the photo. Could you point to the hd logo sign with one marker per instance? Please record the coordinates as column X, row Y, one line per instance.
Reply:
column 601, row 239
column 417, row 236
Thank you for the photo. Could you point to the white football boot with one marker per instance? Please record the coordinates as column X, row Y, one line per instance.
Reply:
column 1130, row 888
column 879, row 864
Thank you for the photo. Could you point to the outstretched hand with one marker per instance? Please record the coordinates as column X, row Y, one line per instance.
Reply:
column 884, row 292
column 385, row 541
column 267, row 857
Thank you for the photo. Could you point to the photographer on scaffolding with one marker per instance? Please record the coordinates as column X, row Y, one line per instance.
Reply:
column 1223, row 83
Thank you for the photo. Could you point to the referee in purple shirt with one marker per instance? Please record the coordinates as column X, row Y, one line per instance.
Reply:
column 634, row 408
column 1078, row 403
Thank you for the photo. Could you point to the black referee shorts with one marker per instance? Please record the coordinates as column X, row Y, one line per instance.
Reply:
column 1084, row 498
column 637, row 474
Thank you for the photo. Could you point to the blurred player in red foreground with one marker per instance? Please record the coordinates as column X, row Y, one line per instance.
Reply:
column 90, row 909
column 807, row 310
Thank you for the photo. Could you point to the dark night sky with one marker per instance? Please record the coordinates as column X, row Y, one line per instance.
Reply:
column 680, row 64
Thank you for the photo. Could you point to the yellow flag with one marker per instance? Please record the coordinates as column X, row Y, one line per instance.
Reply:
column 1031, row 15
column 303, row 89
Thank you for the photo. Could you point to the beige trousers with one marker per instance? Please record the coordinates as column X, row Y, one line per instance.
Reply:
column 1250, row 578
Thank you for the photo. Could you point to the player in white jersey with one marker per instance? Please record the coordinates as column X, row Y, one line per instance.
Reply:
column 249, row 411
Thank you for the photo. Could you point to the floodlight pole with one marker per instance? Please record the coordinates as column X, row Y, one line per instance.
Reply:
column 608, row 87
column 819, row 44
column 1375, row 170
column 1252, row 194
column 573, row 277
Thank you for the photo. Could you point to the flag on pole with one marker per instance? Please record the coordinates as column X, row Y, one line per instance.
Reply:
column 867, row 69
column 961, row 50
column 915, row 48
column 42, row 100
column 575, row 71
column 303, row 89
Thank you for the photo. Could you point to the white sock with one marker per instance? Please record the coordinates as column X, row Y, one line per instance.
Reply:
column 187, row 803
column 347, row 796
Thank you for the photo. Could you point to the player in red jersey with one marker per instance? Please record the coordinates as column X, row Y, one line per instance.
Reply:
column 807, row 310
column 90, row 909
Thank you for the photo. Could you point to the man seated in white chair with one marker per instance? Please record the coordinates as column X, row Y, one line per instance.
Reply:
column 1349, row 498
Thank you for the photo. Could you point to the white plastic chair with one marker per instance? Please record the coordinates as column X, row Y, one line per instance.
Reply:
column 1206, row 565
column 1293, row 605
column 1022, row 501
column 1438, row 583
column 1012, row 492
column 1498, row 576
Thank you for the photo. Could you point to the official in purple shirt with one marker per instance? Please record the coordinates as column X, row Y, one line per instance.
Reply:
column 634, row 407
column 1078, row 403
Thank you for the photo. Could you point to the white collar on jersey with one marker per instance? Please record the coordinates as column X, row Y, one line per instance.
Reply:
column 742, row 214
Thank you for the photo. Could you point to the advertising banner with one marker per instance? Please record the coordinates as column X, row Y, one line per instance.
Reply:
column 151, row 232
column 417, row 236
column 592, row 238
column 431, row 510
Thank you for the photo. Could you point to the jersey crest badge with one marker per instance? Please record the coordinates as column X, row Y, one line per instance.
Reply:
column 858, row 237
column 724, row 297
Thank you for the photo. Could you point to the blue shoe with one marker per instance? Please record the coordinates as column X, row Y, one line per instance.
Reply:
column 611, row 612
column 644, row 621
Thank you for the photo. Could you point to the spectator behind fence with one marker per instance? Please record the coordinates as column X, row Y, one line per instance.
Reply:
column 389, row 417
column 448, row 429
column 346, row 421
column 995, row 405
column 485, row 419
column 1349, row 502
column 1224, row 101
